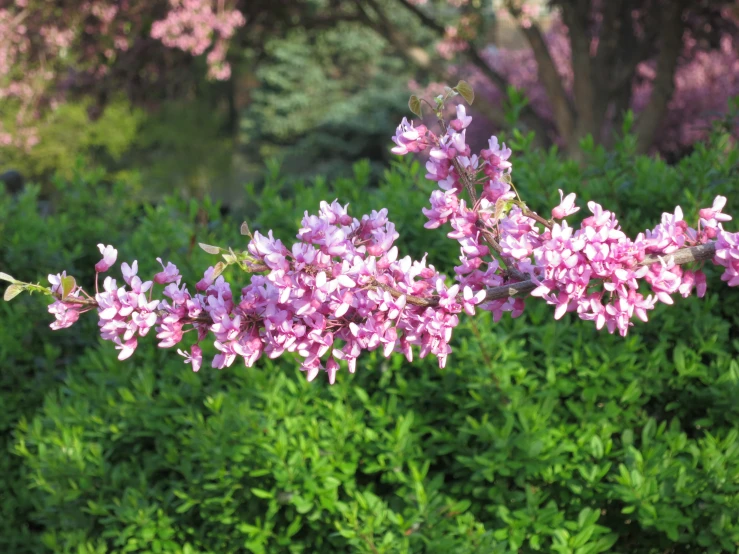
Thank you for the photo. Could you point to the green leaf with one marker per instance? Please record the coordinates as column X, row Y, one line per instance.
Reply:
column 596, row 447
column 12, row 291
column 6, row 277
column 466, row 91
column 414, row 104
column 68, row 284
column 184, row 507
column 210, row 249
column 260, row 493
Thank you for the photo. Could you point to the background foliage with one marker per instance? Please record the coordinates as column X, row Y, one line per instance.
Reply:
column 538, row 436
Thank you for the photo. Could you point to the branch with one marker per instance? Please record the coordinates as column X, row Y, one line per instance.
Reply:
column 426, row 19
column 699, row 253
column 418, row 57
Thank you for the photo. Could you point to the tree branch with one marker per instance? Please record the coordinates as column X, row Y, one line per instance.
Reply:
column 700, row 253
column 426, row 19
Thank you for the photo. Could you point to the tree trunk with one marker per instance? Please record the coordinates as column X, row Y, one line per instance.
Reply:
column 664, row 83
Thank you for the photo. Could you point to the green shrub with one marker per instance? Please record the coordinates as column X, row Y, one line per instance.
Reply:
column 538, row 436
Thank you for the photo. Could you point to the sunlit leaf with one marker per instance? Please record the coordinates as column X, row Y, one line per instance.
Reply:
column 68, row 284
column 465, row 90
column 210, row 249
column 414, row 103
column 12, row 291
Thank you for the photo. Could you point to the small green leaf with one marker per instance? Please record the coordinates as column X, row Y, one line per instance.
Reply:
column 414, row 103
column 6, row 277
column 210, row 249
column 596, row 447
column 465, row 90
column 259, row 493
column 68, row 284
column 12, row 291
column 184, row 507
column 126, row 395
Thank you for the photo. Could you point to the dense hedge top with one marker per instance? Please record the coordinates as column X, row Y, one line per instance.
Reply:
column 539, row 436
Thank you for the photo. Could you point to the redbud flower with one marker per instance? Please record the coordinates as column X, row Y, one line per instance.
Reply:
column 462, row 121
column 127, row 348
column 110, row 255
column 194, row 357
column 566, row 206
column 715, row 211
column 207, row 279
column 170, row 274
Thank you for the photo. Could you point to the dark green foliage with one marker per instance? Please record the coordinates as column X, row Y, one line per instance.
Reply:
column 539, row 436
column 326, row 98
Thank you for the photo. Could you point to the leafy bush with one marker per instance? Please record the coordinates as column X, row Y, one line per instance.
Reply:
column 538, row 436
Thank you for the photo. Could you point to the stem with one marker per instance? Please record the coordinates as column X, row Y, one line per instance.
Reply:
column 700, row 253
column 535, row 216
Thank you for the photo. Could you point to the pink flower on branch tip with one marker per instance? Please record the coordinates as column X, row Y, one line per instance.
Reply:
column 463, row 120
column 566, row 206
column 127, row 348
column 110, row 255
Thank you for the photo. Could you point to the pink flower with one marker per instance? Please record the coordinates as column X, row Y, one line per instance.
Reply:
column 408, row 138
column 170, row 274
column 715, row 211
column 109, row 257
column 462, row 121
column 194, row 357
column 207, row 279
column 129, row 272
column 127, row 348
column 66, row 314
column 566, row 206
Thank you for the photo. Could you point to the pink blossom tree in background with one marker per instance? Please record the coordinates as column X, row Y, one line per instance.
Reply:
column 343, row 288
column 51, row 50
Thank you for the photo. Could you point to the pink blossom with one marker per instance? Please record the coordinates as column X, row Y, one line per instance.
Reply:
column 170, row 274
column 463, row 120
column 194, row 357
column 566, row 206
column 109, row 257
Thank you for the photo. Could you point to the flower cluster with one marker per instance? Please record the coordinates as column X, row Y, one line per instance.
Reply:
column 195, row 26
column 342, row 288
column 594, row 270
column 727, row 255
